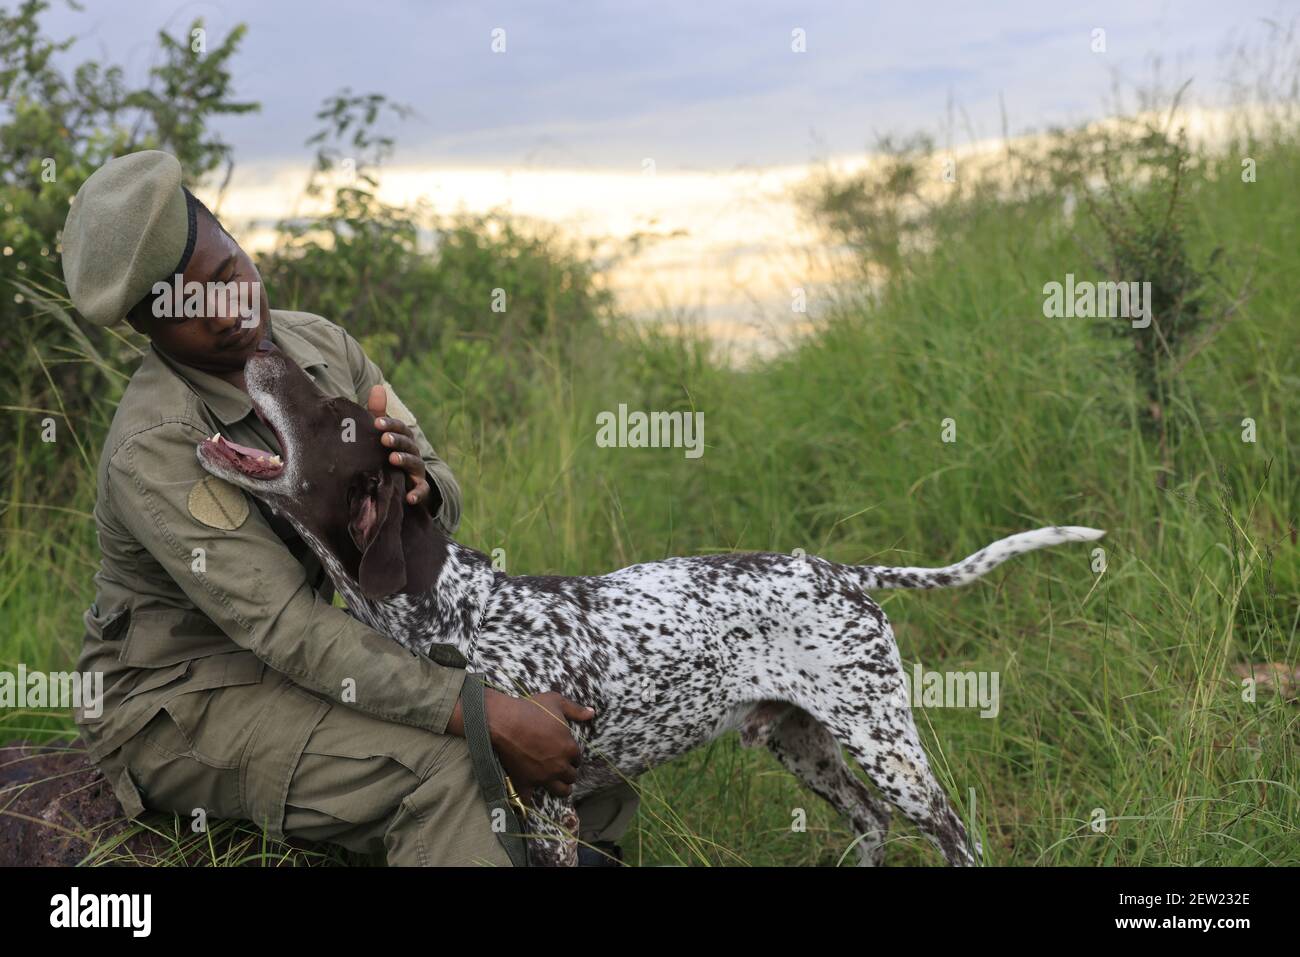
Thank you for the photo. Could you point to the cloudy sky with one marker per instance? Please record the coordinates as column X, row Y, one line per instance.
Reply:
column 693, row 84
column 559, row 127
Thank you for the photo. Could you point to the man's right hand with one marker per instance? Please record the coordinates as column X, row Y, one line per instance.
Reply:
column 532, row 740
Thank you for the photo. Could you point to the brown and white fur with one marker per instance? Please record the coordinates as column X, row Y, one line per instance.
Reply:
column 790, row 651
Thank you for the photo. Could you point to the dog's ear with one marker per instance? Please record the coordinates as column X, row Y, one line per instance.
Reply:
column 375, row 524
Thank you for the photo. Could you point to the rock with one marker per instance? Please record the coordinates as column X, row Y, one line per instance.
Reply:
column 53, row 803
column 57, row 809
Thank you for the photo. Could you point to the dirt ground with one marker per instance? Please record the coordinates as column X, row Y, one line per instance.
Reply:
column 56, row 808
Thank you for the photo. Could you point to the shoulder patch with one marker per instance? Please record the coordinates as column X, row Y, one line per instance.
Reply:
column 218, row 504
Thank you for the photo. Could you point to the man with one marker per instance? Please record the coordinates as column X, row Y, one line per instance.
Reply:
column 233, row 687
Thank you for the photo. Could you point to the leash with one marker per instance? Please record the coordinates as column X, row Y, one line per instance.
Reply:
column 497, row 789
column 492, row 780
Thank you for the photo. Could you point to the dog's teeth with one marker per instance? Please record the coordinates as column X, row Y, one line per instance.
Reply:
column 275, row 460
column 216, row 437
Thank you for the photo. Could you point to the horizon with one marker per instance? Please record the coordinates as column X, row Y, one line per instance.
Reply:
column 724, row 241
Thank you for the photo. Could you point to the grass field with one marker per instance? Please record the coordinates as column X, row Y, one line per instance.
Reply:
column 1123, row 736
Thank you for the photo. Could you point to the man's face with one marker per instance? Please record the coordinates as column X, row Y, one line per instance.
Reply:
column 220, row 340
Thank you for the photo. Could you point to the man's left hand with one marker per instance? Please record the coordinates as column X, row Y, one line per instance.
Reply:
column 405, row 453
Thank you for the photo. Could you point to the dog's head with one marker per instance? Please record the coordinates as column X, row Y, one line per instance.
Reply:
column 332, row 480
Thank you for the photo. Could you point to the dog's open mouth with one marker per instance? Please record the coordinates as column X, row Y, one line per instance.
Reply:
column 248, row 461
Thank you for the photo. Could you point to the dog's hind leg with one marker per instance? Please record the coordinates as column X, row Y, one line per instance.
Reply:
column 811, row 753
column 886, row 745
column 551, row 826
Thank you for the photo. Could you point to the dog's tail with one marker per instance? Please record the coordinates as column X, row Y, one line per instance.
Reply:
column 977, row 565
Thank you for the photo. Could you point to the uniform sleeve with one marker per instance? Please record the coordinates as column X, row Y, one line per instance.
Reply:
column 366, row 375
column 246, row 581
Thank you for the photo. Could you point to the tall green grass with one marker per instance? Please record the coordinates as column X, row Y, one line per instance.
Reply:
column 1118, row 689
column 1119, row 697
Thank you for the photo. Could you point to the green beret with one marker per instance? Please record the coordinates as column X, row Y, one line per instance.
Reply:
column 129, row 227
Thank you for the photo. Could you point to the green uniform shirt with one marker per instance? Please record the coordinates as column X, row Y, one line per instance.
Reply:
column 199, row 588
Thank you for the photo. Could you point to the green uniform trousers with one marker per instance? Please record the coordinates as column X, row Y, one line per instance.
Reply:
column 301, row 766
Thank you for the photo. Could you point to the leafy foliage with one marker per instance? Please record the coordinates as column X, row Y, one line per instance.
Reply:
column 55, row 130
column 483, row 292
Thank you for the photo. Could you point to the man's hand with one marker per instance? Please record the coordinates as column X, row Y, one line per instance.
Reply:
column 397, row 436
column 531, row 739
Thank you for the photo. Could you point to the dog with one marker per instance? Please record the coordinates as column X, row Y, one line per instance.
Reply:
column 789, row 651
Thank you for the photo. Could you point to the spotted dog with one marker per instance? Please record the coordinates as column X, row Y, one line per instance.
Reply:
column 789, row 651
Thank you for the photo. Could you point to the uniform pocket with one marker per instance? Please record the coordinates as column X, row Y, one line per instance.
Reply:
column 115, row 625
column 166, row 736
column 211, row 726
column 274, row 751
column 157, row 679
column 126, row 792
column 161, row 637
column 170, row 775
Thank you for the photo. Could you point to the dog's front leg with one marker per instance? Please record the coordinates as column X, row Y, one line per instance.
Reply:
column 552, row 829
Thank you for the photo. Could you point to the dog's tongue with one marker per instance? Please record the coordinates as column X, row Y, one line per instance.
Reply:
column 243, row 449
column 250, row 462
